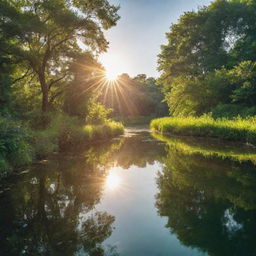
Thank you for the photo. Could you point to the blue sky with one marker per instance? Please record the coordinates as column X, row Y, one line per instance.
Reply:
column 135, row 41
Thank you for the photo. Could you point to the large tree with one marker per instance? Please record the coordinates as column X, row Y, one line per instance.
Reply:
column 203, row 41
column 44, row 36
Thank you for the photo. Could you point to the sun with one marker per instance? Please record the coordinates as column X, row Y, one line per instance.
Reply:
column 111, row 76
column 113, row 65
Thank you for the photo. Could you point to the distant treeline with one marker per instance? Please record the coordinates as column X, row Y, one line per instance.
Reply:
column 133, row 97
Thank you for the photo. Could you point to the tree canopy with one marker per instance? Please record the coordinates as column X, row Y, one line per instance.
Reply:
column 43, row 37
column 205, row 50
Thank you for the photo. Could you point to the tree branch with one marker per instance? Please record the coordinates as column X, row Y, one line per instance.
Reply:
column 22, row 77
column 56, row 81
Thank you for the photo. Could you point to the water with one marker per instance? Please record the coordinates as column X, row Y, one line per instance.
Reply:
column 139, row 195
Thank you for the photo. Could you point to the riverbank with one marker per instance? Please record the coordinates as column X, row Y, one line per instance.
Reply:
column 238, row 129
column 21, row 144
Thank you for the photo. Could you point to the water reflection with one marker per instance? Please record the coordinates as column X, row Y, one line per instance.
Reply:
column 210, row 202
column 50, row 211
column 113, row 181
column 134, row 196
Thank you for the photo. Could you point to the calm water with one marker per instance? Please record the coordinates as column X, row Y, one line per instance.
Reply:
column 139, row 195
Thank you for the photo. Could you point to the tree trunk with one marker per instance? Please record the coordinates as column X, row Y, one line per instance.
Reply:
column 45, row 92
column 45, row 101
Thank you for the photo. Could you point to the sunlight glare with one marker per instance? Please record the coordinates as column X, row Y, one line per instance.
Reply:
column 112, row 181
column 111, row 75
column 114, row 65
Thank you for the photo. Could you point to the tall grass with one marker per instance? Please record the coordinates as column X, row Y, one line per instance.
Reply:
column 237, row 129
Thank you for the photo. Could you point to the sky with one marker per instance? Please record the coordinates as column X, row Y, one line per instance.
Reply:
column 135, row 41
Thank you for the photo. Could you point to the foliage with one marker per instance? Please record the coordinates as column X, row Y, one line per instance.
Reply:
column 133, row 97
column 210, row 58
column 81, row 90
column 233, row 110
column 64, row 133
column 205, row 126
column 97, row 113
column 103, row 131
column 15, row 150
column 243, row 77
column 44, row 37
column 49, row 72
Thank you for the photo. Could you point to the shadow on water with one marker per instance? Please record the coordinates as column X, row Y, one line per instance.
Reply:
column 207, row 191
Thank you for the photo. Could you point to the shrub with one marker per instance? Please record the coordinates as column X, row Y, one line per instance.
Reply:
column 15, row 150
column 97, row 113
column 65, row 132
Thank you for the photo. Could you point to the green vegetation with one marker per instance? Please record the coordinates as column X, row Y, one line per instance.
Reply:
column 64, row 133
column 210, row 60
column 243, row 130
column 15, row 150
column 18, row 146
column 134, row 100
column 47, row 99
column 209, row 66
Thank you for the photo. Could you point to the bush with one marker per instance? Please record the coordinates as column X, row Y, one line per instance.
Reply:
column 18, row 145
column 15, row 150
column 231, row 129
column 97, row 113
column 65, row 132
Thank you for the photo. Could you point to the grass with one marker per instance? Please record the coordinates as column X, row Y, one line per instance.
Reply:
column 237, row 129
column 103, row 131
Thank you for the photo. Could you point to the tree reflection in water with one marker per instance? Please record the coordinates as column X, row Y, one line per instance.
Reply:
column 50, row 211
column 207, row 192
column 210, row 202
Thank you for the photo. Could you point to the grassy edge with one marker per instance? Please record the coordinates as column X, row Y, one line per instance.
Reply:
column 238, row 129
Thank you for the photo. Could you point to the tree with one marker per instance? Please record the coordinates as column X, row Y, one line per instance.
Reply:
column 45, row 36
column 200, row 47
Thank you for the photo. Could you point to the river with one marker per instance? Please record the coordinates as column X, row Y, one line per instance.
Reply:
column 138, row 195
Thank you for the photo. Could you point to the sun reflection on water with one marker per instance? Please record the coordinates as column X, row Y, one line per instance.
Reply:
column 113, row 181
